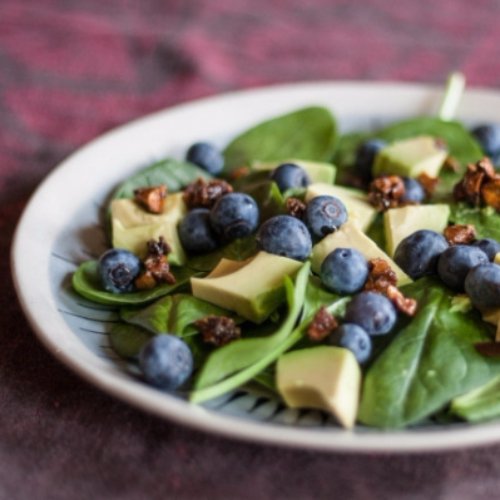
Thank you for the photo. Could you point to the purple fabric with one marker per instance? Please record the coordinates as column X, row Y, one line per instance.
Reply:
column 70, row 70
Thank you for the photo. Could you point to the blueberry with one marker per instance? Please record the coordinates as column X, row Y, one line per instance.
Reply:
column 489, row 246
column 372, row 311
column 324, row 215
column 166, row 362
column 482, row 285
column 414, row 191
column 418, row 253
column 456, row 261
column 196, row 233
column 365, row 156
column 286, row 236
column 206, row 156
column 354, row 338
column 118, row 269
column 235, row 215
column 344, row 270
column 289, row 175
column 488, row 137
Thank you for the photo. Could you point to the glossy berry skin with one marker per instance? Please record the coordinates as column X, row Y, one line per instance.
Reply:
column 365, row 156
column 289, row 175
column 488, row 137
column 354, row 338
column 235, row 215
column 286, row 236
column 206, row 156
column 344, row 270
column 414, row 191
column 324, row 215
column 456, row 261
column 417, row 255
column 118, row 269
column 489, row 246
column 196, row 233
column 371, row 311
column 166, row 362
column 482, row 285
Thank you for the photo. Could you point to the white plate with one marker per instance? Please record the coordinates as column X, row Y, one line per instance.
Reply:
column 61, row 227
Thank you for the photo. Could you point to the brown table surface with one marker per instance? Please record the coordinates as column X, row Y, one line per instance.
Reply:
column 71, row 70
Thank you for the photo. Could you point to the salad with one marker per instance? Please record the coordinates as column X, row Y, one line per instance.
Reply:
column 357, row 274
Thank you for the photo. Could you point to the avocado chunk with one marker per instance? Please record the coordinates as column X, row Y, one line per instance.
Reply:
column 327, row 378
column 401, row 222
column 132, row 226
column 317, row 171
column 355, row 201
column 350, row 236
column 411, row 157
column 252, row 288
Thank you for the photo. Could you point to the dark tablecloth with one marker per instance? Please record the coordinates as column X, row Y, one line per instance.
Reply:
column 70, row 70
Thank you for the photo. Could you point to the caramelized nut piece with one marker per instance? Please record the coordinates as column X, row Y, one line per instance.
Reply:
column 491, row 193
column 386, row 192
column 451, row 164
column 151, row 198
column 428, row 183
column 321, row 325
column 218, row 330
column 239, row 172
column 204, row 194
column 380, row 276
column 404, row 304
column 295, row 207
column 460, row 234
column 156, row 266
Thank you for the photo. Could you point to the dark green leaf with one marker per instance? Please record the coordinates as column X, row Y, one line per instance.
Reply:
column 308, row 133
column 268, row 197
column 485, row 220
column 86, row 281
column 431, row 360
column 128, row 340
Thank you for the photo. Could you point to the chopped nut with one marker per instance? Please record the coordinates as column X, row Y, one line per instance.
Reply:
column 386, row 192
column 428, row 183
column 239, row 172
column 156, row 266
column 295, row 207
column 480, row 185
column 452, row 164
column 460, row 234
column 218, row 330
column 151, row 198
column 381, row 276
column 404, row 304
column 321, row 325
column 382, row 279
column 202, row 193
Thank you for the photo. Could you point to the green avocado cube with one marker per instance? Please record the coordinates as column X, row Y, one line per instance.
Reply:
column 411, row 157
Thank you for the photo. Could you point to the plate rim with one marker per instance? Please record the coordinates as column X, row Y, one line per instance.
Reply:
column 194, row 416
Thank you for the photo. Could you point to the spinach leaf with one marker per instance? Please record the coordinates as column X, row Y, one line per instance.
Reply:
column 480, row 404
column 239, row 361
column 175, row 174
column 268, row 197
column 239, row 249
column 172, row 314
column 462, row 146
column 86, row 281
column 431, row 360
column 128, row 340
column 306, row 133
column 317, row 296
column 486, row 220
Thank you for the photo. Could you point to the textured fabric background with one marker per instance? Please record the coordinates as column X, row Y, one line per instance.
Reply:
column 70, row 70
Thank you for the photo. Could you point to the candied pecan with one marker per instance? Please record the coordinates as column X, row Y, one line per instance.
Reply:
column 295, row 207
column 386, row 192
column 203, row 193
column 218, row 330
column 160, row 247
column 380, row 276
column 428, row 183
column 404, row 304
column 321, row 325
column 156, row 266
column 491, row 192
column 460, row 234
column 452, row 164
column 151, row 198
column 239, row 172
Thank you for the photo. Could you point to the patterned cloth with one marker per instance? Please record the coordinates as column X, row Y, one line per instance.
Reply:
column 70, row 70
